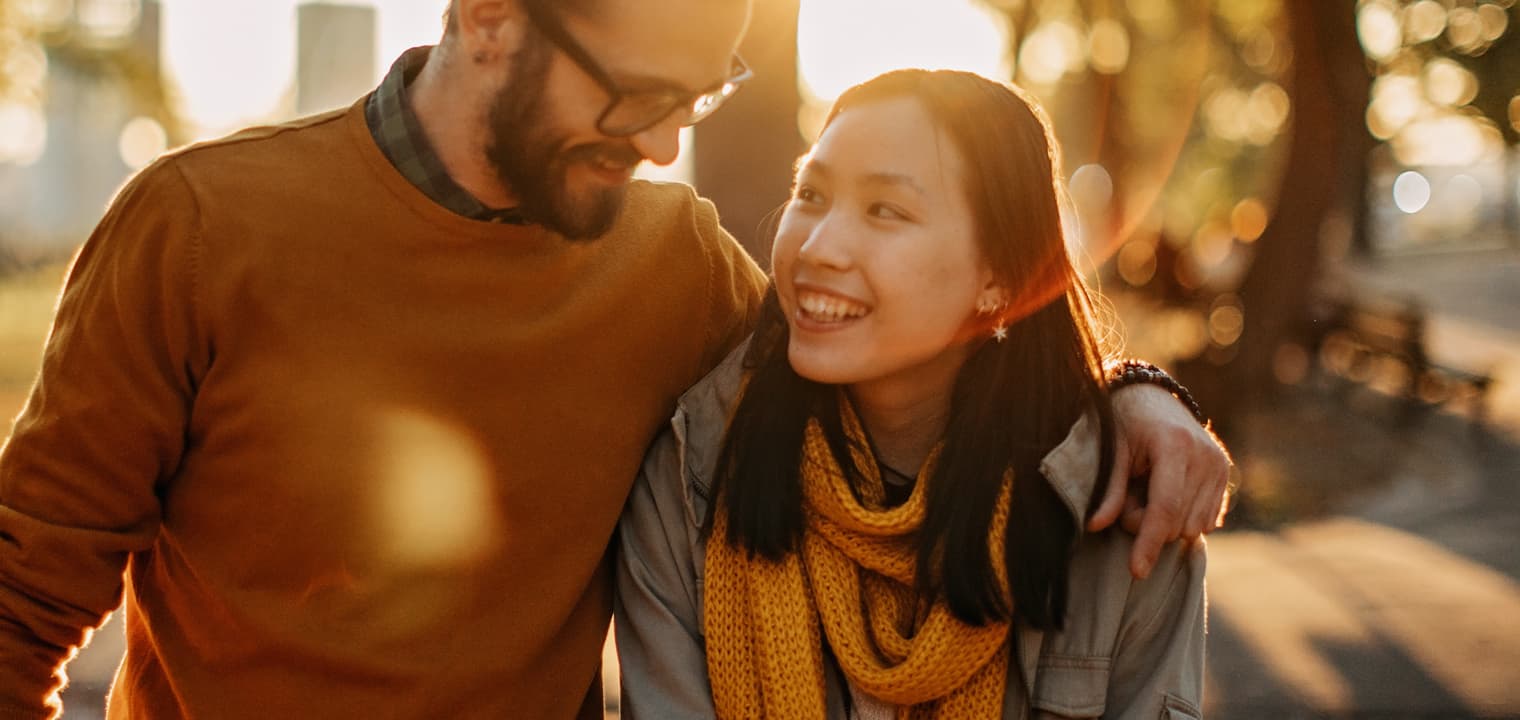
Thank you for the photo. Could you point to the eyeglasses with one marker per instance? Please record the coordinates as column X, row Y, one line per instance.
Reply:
column 632, row 111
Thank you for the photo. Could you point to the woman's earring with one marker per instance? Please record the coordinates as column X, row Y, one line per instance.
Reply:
column 990, row 306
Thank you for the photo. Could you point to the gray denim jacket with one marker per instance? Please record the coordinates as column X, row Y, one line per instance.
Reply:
column 1130, row 649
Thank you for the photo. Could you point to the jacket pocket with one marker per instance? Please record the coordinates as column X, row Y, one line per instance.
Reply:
column 1176, row 708
column 1070, row 686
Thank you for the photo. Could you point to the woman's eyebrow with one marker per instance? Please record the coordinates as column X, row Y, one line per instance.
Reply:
column 814, row 166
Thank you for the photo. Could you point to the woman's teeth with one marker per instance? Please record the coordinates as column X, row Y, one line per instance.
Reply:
column 828, row 308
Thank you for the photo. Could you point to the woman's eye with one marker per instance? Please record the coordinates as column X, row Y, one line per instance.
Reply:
column 886, row 212
column 806, row 194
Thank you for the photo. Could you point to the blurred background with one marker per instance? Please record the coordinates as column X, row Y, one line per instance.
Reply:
column 1309, row 210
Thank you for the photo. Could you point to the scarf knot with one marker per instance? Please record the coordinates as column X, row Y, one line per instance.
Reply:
column 853, row 582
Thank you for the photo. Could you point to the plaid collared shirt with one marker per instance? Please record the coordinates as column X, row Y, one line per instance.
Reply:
column 397, row 131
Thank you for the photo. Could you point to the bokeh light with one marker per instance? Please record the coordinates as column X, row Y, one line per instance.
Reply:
column 1448, row 83
column 142, row 140
column 23, row 133
column 1464, row 28
column 1226, row 320
column 1424, row 21
column 1411, row 192
column 1447, row 140
column 1378, row 28
column 1092, row 189
column 1052, row 50
column 25, row 66
column 1396, row 100
column 1462, row 195
column 1248, row 220
column 1137, row 262
column 1494, row 21
column 1108, row 46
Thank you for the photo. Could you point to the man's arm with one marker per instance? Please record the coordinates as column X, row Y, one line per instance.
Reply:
column 1160, row 436
column 103, row 429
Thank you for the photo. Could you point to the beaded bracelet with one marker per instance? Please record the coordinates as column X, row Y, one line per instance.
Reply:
column 1123, row 373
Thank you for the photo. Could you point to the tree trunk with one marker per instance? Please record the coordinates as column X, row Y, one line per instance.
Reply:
column 1325, row 172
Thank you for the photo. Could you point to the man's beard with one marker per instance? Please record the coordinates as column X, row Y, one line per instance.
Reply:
column 532, row 162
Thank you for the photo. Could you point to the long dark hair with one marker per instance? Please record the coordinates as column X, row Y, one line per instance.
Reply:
column 1012, row 403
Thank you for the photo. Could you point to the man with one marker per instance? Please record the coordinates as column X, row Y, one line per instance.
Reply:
column 355, row 401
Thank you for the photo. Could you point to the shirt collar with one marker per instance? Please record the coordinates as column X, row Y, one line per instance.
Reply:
column 397, row 131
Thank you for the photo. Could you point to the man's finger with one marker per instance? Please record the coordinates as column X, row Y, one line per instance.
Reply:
column 1134, row 512
column 1113, row 498
column 1211, row 479
column 1165, row 512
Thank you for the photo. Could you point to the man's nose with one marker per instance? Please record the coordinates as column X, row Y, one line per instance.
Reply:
column 660, row 143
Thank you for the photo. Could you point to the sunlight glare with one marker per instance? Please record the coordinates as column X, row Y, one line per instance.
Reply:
column 844, row 42
column 405, row 24
column 434, row 492
column 232, row 61
column 108, row 18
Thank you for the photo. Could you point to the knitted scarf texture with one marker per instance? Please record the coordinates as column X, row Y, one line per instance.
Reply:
column 852, row 583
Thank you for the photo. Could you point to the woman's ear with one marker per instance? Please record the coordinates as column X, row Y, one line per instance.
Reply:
column 992, row 299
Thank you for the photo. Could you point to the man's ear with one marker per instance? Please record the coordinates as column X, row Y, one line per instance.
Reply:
column 489, row 30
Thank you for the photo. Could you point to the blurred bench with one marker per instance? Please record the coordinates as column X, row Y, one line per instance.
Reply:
column 1357, row 337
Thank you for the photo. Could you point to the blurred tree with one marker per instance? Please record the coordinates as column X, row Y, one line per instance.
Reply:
column 69, row 67
column 745, row 151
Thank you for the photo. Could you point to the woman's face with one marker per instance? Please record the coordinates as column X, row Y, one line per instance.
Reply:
column 876, row 261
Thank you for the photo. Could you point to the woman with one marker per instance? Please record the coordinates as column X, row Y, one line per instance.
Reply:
column 891, row 524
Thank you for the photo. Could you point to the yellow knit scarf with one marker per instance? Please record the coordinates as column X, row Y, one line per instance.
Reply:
column 854, row 577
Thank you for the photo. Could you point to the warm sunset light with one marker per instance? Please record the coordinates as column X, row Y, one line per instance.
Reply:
column 843, row 42
column 233, row 62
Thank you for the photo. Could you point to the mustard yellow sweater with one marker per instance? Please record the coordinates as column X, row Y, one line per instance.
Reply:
column 357, row 456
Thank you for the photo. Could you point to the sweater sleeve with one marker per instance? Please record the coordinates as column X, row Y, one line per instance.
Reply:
column 102, row 432
column 736, row 284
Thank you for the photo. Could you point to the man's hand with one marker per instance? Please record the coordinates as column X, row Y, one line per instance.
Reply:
column 1189, row 471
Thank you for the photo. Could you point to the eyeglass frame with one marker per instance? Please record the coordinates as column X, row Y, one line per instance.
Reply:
column 544, row 19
